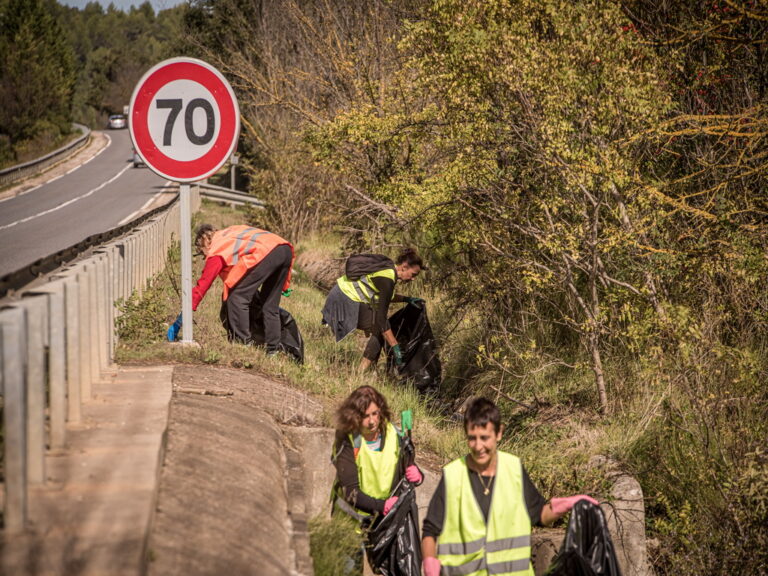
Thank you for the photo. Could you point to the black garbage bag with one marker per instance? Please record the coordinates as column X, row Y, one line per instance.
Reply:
column 587, row 549
column 291, row 341
column 393, row 545
column 417, row 343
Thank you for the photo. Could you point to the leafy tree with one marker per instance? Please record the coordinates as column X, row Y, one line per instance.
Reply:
column 114, row 49
column 294, row 64
column 514, row 139
column 37, row 72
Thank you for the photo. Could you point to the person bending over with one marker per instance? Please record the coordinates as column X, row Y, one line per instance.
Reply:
column 255, row 267
column 363, row 303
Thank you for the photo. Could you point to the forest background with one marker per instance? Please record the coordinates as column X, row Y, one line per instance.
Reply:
column 586, row 179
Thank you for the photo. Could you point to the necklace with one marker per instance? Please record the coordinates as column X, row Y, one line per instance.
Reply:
column 486, row 487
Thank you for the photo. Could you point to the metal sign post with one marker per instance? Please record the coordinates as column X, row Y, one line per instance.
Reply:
column 186, row 263
column 234, row 160
column 185, row 123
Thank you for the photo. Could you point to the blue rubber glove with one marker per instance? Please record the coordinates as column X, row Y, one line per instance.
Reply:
column 174, row 329
column 413, row 300
column 398, row 354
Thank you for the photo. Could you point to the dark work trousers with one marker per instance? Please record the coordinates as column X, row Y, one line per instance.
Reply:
column 261, row 287
column 366, row 323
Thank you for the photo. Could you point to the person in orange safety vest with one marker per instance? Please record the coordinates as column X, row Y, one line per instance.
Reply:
column 255, row 266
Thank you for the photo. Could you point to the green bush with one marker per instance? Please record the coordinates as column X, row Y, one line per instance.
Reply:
column 143, row 319
column 333, row 544
column 703, row 464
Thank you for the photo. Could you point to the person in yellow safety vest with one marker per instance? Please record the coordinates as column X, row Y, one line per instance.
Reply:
column 366, row 454
column 364, row 305
column 479, row 519
column 255, row 266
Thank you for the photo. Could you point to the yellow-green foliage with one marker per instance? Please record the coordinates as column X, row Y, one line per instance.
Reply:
column 508, row 151
column 587, row 182
column 334, row 545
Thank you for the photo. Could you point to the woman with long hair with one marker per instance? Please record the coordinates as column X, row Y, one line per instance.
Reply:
column 367, row 456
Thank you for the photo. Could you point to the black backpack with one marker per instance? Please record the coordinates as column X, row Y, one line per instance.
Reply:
column 359, row 265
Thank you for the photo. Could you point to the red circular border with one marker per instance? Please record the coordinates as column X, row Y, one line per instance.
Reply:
column 181, row 170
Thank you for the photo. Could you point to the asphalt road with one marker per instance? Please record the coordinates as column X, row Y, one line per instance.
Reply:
column 90, row 198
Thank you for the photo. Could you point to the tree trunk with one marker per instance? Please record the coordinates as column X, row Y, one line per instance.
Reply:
column 597, row 368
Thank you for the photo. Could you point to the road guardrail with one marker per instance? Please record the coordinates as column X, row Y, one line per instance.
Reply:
column 14, row 173
column 56, row 340
column 227, row 195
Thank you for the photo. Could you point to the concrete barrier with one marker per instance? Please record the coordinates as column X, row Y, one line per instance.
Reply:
column 56, row 341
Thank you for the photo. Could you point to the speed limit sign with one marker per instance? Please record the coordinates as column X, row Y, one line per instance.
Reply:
column 184, row 119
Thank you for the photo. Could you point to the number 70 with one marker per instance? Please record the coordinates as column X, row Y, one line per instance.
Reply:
column 175, row 106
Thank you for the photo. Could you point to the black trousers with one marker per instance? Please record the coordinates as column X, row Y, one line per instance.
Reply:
column 366, row 323
column 260, row 288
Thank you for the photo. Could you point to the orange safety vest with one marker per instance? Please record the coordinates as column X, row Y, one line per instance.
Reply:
column 242, row 248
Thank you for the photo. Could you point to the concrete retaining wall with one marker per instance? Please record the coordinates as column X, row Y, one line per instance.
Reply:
column 57, row 338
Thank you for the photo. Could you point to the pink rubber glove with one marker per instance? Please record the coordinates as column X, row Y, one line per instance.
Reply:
column 431, row 566
column 388, row 504
column 562, row 506
column 413, row 474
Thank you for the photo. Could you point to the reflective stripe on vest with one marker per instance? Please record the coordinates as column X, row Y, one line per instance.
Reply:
column 376, row 470
column 467, row 546
column 363, row 290
column 253, row 233
column 242, row 248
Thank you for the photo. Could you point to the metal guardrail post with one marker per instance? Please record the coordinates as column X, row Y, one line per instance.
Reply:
column 57, row 360
column 84, row 315
column 72, row 337
column 155, row 247
column 36, row 308
column 130, row 265
column 101, row 305
column 137, row 250
column 93, row 316
column 93, row 334
column 112, row 280
column 120, row 261
column 13, row 356
column 146, row 271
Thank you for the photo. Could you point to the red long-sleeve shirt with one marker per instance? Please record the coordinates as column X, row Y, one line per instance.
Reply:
column 213, row 266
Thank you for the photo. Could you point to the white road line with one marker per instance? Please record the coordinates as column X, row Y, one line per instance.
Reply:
column 109, row 143
column 54, row 178
column 20, row 194
column 68, row 202
column 145, row 206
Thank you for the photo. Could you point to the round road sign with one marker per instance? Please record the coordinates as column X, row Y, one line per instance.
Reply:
column 184, row 119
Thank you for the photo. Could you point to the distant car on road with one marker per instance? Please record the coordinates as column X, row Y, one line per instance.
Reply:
column 116, row 122
column 137, row 161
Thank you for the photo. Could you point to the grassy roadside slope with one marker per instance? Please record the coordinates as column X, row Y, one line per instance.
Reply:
column 554, row 440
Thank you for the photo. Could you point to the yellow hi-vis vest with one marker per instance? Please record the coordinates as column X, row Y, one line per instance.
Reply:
column 467, row 546
column 376, row 470
column 363, row 290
